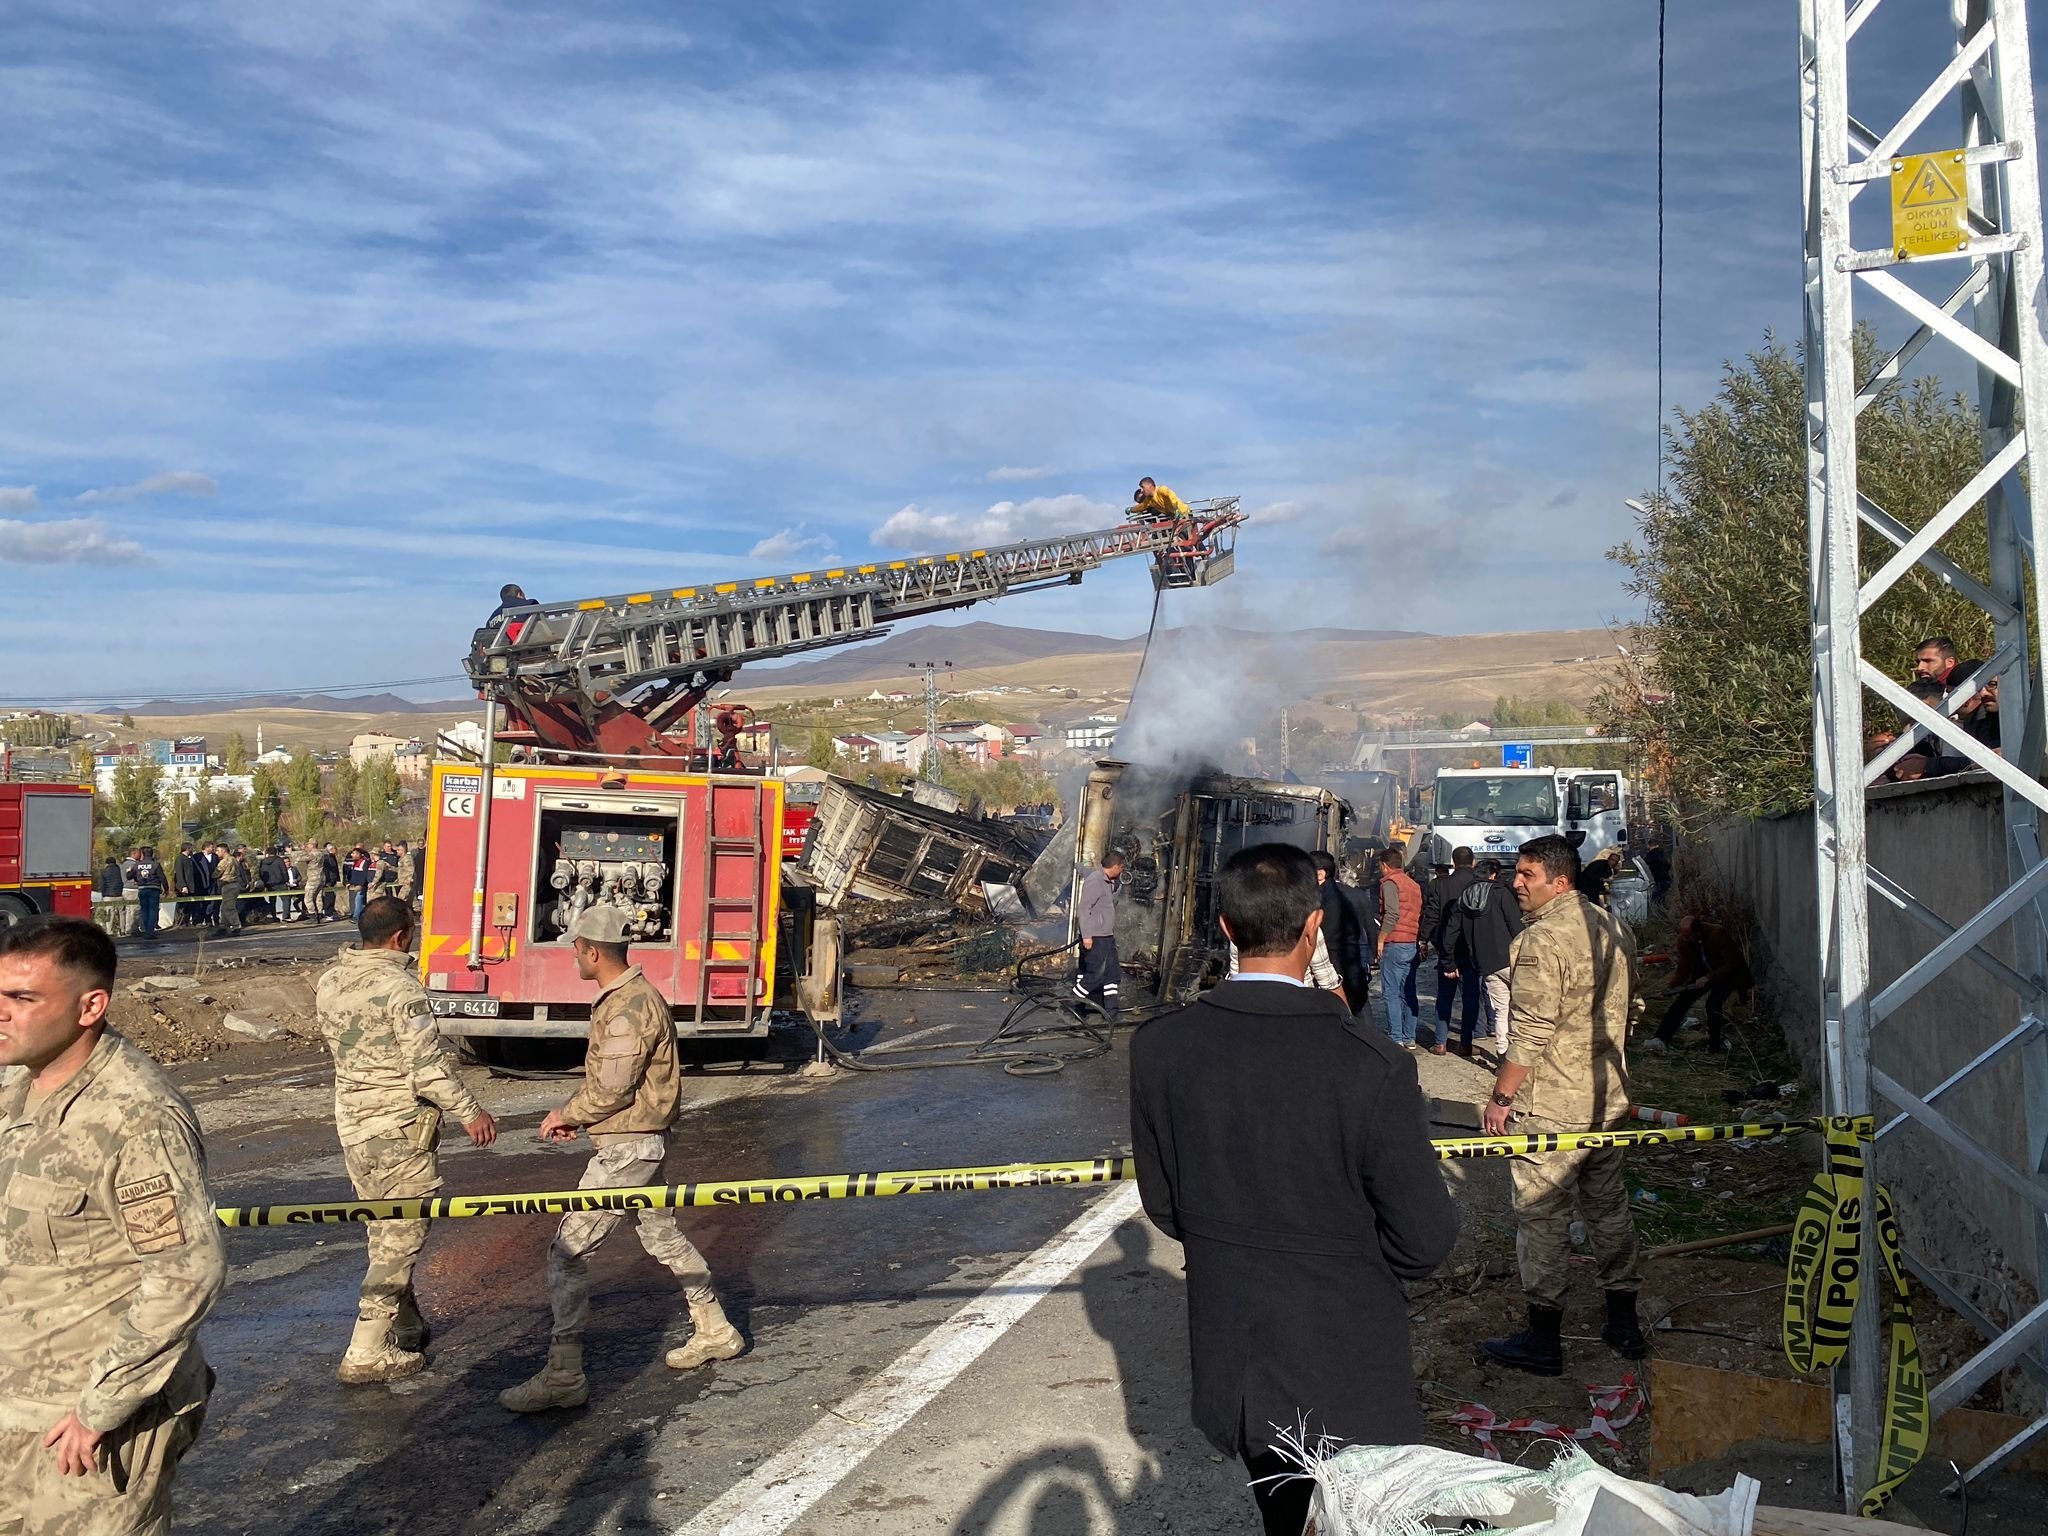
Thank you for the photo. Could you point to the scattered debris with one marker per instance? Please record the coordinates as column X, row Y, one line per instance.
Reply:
column 254, row 1028
column 925, row 843
column 165, row 984
column 1614, row 1408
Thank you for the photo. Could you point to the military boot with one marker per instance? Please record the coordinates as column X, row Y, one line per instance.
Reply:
column 1538, row 1349
column 373, row 1357
column 560, row 1384
column 409, row 1330
column 715, row 1339
column 1622, row 1333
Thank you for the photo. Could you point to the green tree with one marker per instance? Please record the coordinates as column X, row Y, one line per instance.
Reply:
column 127, row 722
column 342, row 796
column 821, row 753
column 377, row 789
column 235, row 755
column 1717, row 691
column 133, row 811
column 261, row 817
column 302, row 794
column 217, row 809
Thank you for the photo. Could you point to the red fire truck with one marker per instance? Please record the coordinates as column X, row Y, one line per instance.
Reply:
column 601, row 808
column 45, row 850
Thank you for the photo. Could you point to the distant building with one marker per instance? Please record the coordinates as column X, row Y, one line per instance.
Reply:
column 1092, row 734
column 371, row 745
column 465, row 738
column 413, row 762
column 971, row 747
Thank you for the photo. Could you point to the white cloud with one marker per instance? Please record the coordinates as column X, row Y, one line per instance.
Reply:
column 18, row 498
column 1012, row 472
column 177, row 482
column 1007, row 522
column 72, row 541
column 790, row 544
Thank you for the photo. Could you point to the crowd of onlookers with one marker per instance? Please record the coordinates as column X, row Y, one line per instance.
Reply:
column 229, row 888
column 1938, row 673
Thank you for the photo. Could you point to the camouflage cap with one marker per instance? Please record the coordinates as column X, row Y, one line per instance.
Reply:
column 600, row 925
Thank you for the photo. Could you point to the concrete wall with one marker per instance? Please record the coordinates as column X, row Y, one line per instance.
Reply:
column 1944, row 841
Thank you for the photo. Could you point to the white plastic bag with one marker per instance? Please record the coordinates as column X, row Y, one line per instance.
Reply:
column 1412, row 1490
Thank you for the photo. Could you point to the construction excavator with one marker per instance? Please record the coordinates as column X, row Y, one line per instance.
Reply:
column 610, row 800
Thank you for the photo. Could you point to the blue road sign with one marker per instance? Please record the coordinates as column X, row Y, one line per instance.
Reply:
column 1517, row 754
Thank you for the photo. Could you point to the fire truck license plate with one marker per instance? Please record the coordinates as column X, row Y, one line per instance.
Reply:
column 465, row 1007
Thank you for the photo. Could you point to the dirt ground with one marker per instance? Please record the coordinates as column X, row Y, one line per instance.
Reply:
column 178, row 1011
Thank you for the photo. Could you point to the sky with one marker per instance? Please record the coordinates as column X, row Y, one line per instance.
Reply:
column 317, row 323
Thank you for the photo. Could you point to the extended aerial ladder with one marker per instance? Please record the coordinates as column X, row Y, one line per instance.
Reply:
column 618, row 676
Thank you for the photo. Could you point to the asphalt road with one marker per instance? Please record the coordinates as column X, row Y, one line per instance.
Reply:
column 828, row 1293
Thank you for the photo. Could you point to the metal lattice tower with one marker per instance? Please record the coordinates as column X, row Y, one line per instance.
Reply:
column 934, row 762
column 1988, row 310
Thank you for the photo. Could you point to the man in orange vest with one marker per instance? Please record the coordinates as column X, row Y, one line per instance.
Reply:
column 1400, row 928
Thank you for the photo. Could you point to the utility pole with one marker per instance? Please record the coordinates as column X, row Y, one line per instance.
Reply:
column 931, row 715
column 1965, row 222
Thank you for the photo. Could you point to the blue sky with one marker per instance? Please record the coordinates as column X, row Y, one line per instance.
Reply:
column 320, row 322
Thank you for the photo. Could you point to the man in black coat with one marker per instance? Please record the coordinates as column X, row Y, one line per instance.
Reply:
column 1455, row 978
column 1341, row 931
column 1286, row 1147
column 1483, row 928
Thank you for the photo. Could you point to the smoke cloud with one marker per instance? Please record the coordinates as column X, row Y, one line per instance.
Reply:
column 1202, row 693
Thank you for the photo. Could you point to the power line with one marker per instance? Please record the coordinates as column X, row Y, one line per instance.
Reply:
column 1658, row 439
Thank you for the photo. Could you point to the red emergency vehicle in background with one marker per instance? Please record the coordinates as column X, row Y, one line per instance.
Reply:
column 45, row 850
column 599, row 699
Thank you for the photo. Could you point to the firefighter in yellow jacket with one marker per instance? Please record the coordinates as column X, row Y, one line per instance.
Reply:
column 1157, row 502
column 632, row 1090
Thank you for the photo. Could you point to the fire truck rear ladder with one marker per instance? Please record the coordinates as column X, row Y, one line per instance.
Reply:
column 610, row 674
column 746, row 943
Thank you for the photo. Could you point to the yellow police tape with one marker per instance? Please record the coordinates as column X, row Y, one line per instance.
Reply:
column 923, row 1181
column 1823, row 1279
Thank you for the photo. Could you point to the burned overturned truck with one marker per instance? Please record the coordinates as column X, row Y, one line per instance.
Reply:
column 925, row 843
column 1175, row 832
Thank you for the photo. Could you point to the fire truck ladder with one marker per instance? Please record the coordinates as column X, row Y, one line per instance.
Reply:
column 613, row 675
column 723, row 851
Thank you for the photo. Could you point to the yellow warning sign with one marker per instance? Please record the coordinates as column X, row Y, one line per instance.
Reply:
column 1930, row 206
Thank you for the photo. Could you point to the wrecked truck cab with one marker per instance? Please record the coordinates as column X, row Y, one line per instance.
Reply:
column 1176, row 828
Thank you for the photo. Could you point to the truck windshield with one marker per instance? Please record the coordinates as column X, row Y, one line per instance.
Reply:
column 1501, row 802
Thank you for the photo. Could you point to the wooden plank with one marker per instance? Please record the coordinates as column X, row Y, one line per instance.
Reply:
column 1703, row 1414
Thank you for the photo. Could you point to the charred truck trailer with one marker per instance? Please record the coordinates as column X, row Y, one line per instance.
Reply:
column 1175, row 833
column 921, row 843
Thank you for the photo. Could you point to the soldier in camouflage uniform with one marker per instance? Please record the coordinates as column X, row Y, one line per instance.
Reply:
column 392, row 1083
column 631, row 1092
column 408, row 874
column 1569, row 990
column 109, row 1250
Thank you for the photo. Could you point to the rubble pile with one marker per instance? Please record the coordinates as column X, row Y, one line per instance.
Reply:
column 183, row 1017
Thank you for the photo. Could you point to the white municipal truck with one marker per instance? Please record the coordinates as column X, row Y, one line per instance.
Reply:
column 1493, row 811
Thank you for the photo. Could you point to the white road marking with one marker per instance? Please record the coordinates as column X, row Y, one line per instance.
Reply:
column 783, row 1487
